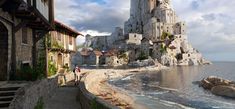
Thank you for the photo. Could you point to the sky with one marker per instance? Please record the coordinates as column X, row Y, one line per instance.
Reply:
column 210, row 23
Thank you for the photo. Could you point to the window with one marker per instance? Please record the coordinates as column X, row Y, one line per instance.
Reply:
column 25, row 65
column 24, row 36
column 70, row 40
column 59, row 36
column 158, row 20
column 52, row 59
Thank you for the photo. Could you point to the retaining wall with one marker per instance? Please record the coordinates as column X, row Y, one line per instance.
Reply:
column 28, row 96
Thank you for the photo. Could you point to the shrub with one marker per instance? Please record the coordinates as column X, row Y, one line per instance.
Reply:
column 163, row 48
column 124, row 56
column 26, row 73
column 40, row 104
column 142, row 56
column 51, row 68
column 166, row 35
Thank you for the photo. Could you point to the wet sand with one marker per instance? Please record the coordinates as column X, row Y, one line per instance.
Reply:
column 97, row 83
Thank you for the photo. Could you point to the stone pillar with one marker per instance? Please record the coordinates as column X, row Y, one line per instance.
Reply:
column 34, row 50
column 13, row 50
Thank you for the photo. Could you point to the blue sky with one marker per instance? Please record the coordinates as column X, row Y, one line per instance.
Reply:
column 210, row 23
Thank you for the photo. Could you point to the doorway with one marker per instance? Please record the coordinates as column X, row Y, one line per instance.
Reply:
column 60, row 60
column 3, row 52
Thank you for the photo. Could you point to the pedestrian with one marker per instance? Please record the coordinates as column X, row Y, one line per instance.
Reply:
column 76, row 74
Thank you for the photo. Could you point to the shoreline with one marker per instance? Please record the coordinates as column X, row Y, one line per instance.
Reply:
column 96, row 82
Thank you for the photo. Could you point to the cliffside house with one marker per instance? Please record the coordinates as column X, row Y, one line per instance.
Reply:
column 22, row 24
column 87, row 57
column 62, row 45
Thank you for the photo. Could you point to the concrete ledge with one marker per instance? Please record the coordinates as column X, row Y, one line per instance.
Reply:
column 89, row 101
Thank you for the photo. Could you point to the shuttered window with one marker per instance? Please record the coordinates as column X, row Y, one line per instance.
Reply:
column 59, row 35
column 70, row 40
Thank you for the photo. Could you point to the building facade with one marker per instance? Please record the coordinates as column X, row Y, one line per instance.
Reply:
column 22, row 24
column 62, row 45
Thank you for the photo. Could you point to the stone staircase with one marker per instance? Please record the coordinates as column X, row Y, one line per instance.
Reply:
column 6, row 96
column 8, row 90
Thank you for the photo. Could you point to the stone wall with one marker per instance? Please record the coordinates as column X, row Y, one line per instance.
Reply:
column 90, row 101
column 28, row 96
column 24, row 50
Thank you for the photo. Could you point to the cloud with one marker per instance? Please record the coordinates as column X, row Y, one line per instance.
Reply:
column 96, row 15
column 210, row 22
column 210, row 26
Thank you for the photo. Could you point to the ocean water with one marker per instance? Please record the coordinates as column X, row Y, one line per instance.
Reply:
column 177, row 87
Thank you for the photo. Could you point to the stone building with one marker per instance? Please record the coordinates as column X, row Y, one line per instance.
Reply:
column 62, row 45
column 134, row 38
column 87, row 57
column 22, row 24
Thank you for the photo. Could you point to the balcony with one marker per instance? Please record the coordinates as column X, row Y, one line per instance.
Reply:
column 39, row 14
column 41, row 5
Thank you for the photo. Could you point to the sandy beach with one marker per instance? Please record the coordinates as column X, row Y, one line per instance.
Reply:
column 96, row 83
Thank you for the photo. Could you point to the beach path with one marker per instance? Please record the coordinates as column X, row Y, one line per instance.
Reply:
column 64, row 98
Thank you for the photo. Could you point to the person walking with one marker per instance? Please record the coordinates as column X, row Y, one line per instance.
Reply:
column 77, row 71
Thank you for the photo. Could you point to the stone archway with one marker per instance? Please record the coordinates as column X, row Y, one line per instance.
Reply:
column 3, row 52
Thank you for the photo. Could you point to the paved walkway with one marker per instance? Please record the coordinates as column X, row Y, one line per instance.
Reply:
column 64, row 98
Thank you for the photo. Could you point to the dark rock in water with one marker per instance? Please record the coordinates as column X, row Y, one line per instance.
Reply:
column 227, row 91
column 206, row 84
column 219, row 86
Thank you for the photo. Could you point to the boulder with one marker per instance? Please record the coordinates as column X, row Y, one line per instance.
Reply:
column 219, row 86
column 222, row 90
column 206, row 84
column 218, row 81
column 212, row 81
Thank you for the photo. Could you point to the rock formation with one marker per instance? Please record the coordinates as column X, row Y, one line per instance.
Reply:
column 158, row 22
column 219, row 86
column 153, row 30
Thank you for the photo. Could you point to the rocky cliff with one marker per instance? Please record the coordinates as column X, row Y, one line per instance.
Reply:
column 157, row 22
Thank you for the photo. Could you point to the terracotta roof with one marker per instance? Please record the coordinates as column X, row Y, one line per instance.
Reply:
column 61, row 25
column 85, row 52
column 98, row 53
column 112, row 52
column 172, row 47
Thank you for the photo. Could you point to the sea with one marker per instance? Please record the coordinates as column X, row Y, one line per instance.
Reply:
column 177, row 87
